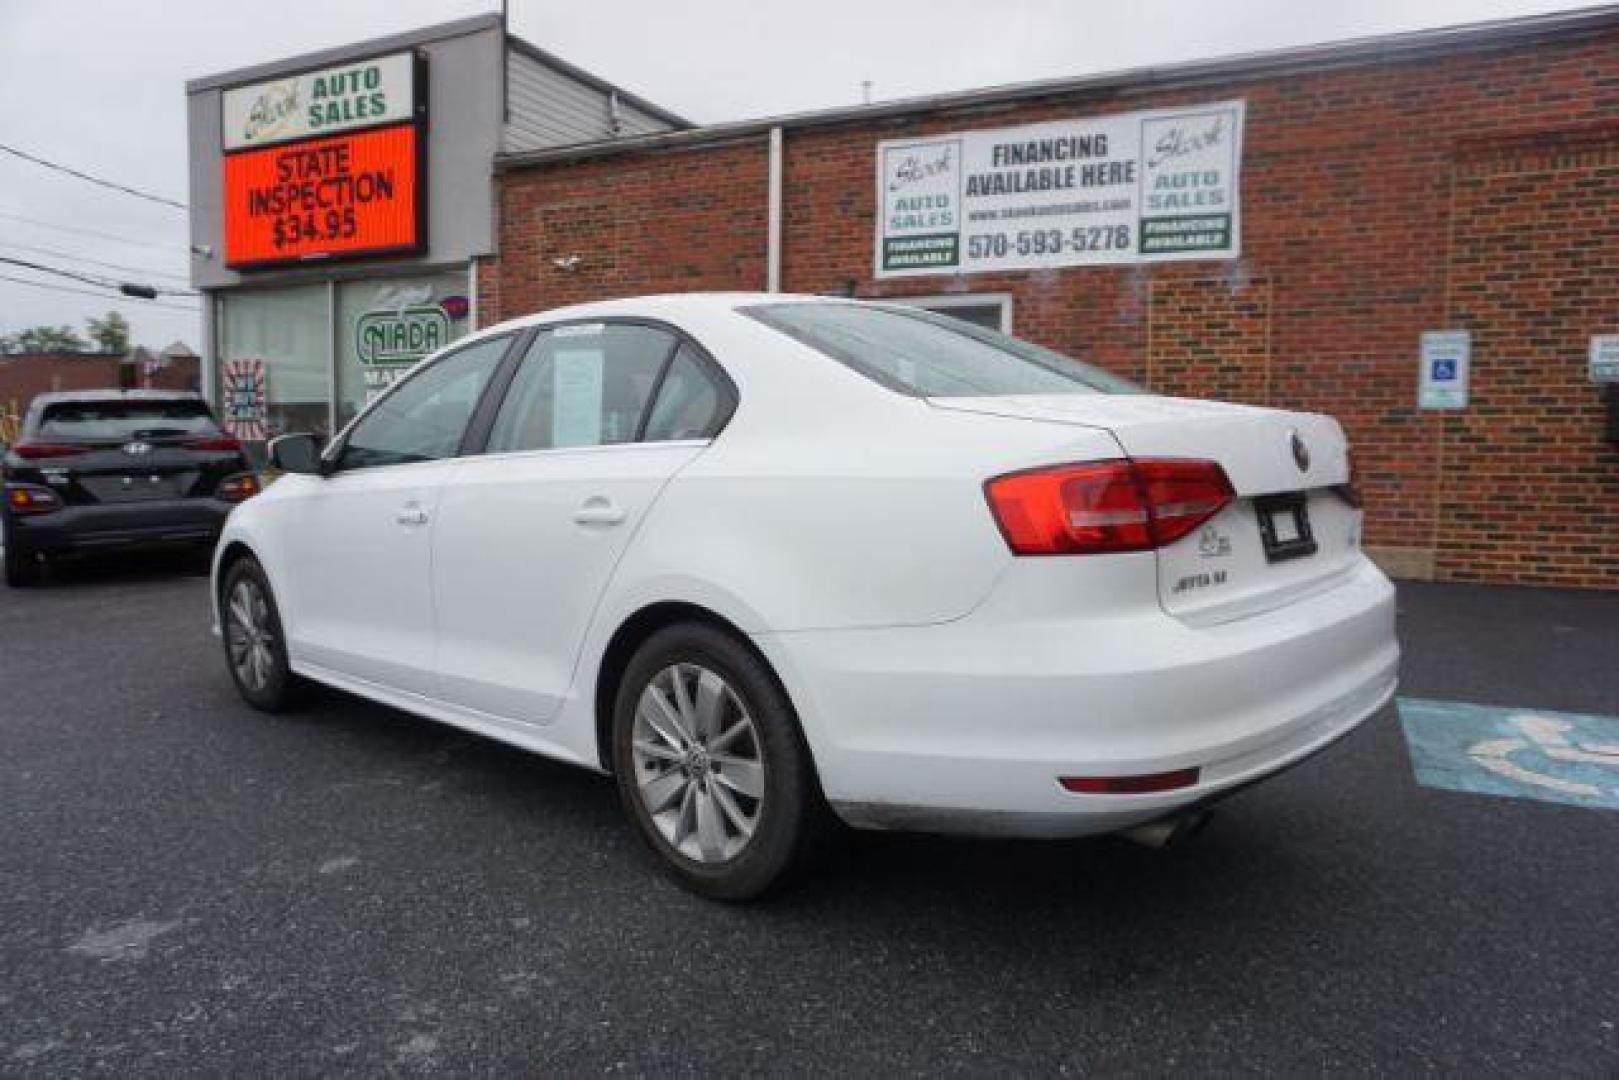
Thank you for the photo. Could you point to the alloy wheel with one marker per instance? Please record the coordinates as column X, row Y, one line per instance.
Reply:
column 249, row 635
column 699, row 767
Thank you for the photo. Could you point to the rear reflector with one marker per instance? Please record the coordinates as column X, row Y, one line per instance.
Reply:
column 213, row 442
column 35, row 450
column 1130, row 785
column 1106, row 506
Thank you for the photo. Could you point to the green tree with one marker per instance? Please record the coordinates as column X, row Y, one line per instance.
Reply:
column 43, row 339
column 110, row 333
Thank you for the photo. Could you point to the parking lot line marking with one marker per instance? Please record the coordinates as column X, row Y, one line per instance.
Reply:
column 1520, row 753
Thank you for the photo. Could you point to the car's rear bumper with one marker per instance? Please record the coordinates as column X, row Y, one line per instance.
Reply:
column 76, row 529
column 967, row 726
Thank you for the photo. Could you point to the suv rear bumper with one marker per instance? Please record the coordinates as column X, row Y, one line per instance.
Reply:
column 968, row 726
column 75, row 529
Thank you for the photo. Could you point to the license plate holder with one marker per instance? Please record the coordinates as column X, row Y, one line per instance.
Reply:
column 1284, row 526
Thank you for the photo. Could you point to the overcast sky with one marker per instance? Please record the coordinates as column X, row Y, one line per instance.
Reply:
column 100, row 84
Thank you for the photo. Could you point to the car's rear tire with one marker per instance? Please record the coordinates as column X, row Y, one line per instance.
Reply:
column 255, row 647
column 22, row 565
column 712, row 767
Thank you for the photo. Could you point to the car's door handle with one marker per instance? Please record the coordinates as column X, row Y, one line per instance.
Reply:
column 598, row 510
column 411, row 514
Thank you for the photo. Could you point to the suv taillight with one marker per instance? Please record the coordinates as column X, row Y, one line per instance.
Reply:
column 239, row 487
column 1100, row 507
column 35, row 450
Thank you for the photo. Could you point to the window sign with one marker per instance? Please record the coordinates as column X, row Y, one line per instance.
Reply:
column 1443, row 378
column 244, row 411
column 385, row 326
column 576, row 418
column 1604, row 358
column 1134, row 187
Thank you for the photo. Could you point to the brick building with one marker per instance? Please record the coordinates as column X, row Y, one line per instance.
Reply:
column 1464, row 179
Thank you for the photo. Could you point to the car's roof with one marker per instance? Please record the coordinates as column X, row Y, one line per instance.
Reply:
column 52, row 397
column 665, row 305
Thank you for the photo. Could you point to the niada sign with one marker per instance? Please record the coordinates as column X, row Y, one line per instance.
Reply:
column 359, row 94
column 1137, row 187
column 401, row 336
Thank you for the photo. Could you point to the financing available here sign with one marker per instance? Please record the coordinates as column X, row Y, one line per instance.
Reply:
column 1135, row 187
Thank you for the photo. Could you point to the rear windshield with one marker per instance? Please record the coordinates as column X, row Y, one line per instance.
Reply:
column 930, row 355
column 95, row 421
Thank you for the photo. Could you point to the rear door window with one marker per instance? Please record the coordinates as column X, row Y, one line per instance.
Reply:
column 691, row 403
column 582, row 385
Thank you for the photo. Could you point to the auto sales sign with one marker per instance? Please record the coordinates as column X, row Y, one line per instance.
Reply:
column 1137, row 187
column 326, row 164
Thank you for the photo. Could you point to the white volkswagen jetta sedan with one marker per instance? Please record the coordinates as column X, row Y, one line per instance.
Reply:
column 773, row 561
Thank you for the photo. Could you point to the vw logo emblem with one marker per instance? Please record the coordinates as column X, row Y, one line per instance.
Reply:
column 1301, row 452
column 136, row 449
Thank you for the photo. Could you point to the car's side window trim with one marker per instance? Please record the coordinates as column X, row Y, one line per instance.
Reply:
column 476, row 437
column 657, row 388
column 506, row 375
column 333, row 455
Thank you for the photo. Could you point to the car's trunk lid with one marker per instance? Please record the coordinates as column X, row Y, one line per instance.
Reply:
column 1290, row 530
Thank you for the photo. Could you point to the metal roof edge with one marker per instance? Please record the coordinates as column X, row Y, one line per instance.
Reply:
column 337, row 54
column 579, row 74
column 1352, row 52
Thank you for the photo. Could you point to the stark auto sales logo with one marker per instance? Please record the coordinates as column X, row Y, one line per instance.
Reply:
column 1301, row 452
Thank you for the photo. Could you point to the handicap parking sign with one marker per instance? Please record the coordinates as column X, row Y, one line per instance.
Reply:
column 1442, row 382
column 1520, row 753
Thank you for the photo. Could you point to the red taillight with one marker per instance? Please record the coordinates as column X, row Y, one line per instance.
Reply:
column 1106, row 506
column 238, row 487
column 32, row 500
column 1144, row 784
column 213, row 442
column 33, row 450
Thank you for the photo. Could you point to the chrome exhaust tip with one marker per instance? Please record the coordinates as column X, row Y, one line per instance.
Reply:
column 1171, row 830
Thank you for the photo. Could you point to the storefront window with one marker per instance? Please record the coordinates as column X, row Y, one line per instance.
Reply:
column 277, row 337
column 385, row 326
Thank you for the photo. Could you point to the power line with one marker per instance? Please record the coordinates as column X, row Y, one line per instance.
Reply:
column 114, row 185
column 71, row 257
column 95, row 233
column 91, row 279
column 51, row 286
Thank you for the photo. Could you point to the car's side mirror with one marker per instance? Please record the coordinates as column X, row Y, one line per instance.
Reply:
column 298, row 453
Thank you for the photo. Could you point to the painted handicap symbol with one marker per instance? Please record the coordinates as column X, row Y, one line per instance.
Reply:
column 1519, row 753
column 1551, row 739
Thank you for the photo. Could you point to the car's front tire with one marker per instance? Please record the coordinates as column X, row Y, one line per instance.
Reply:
column 712, row 767
column 255, row 647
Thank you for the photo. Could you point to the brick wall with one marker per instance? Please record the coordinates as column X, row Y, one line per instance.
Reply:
column 1476, row 191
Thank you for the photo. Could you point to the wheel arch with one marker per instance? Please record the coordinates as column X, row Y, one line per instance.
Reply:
column 634, row 632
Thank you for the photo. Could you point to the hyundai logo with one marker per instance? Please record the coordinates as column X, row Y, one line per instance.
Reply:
column 136, row 449
column 1301, row 452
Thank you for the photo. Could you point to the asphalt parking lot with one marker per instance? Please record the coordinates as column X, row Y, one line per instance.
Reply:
column 187, row 887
